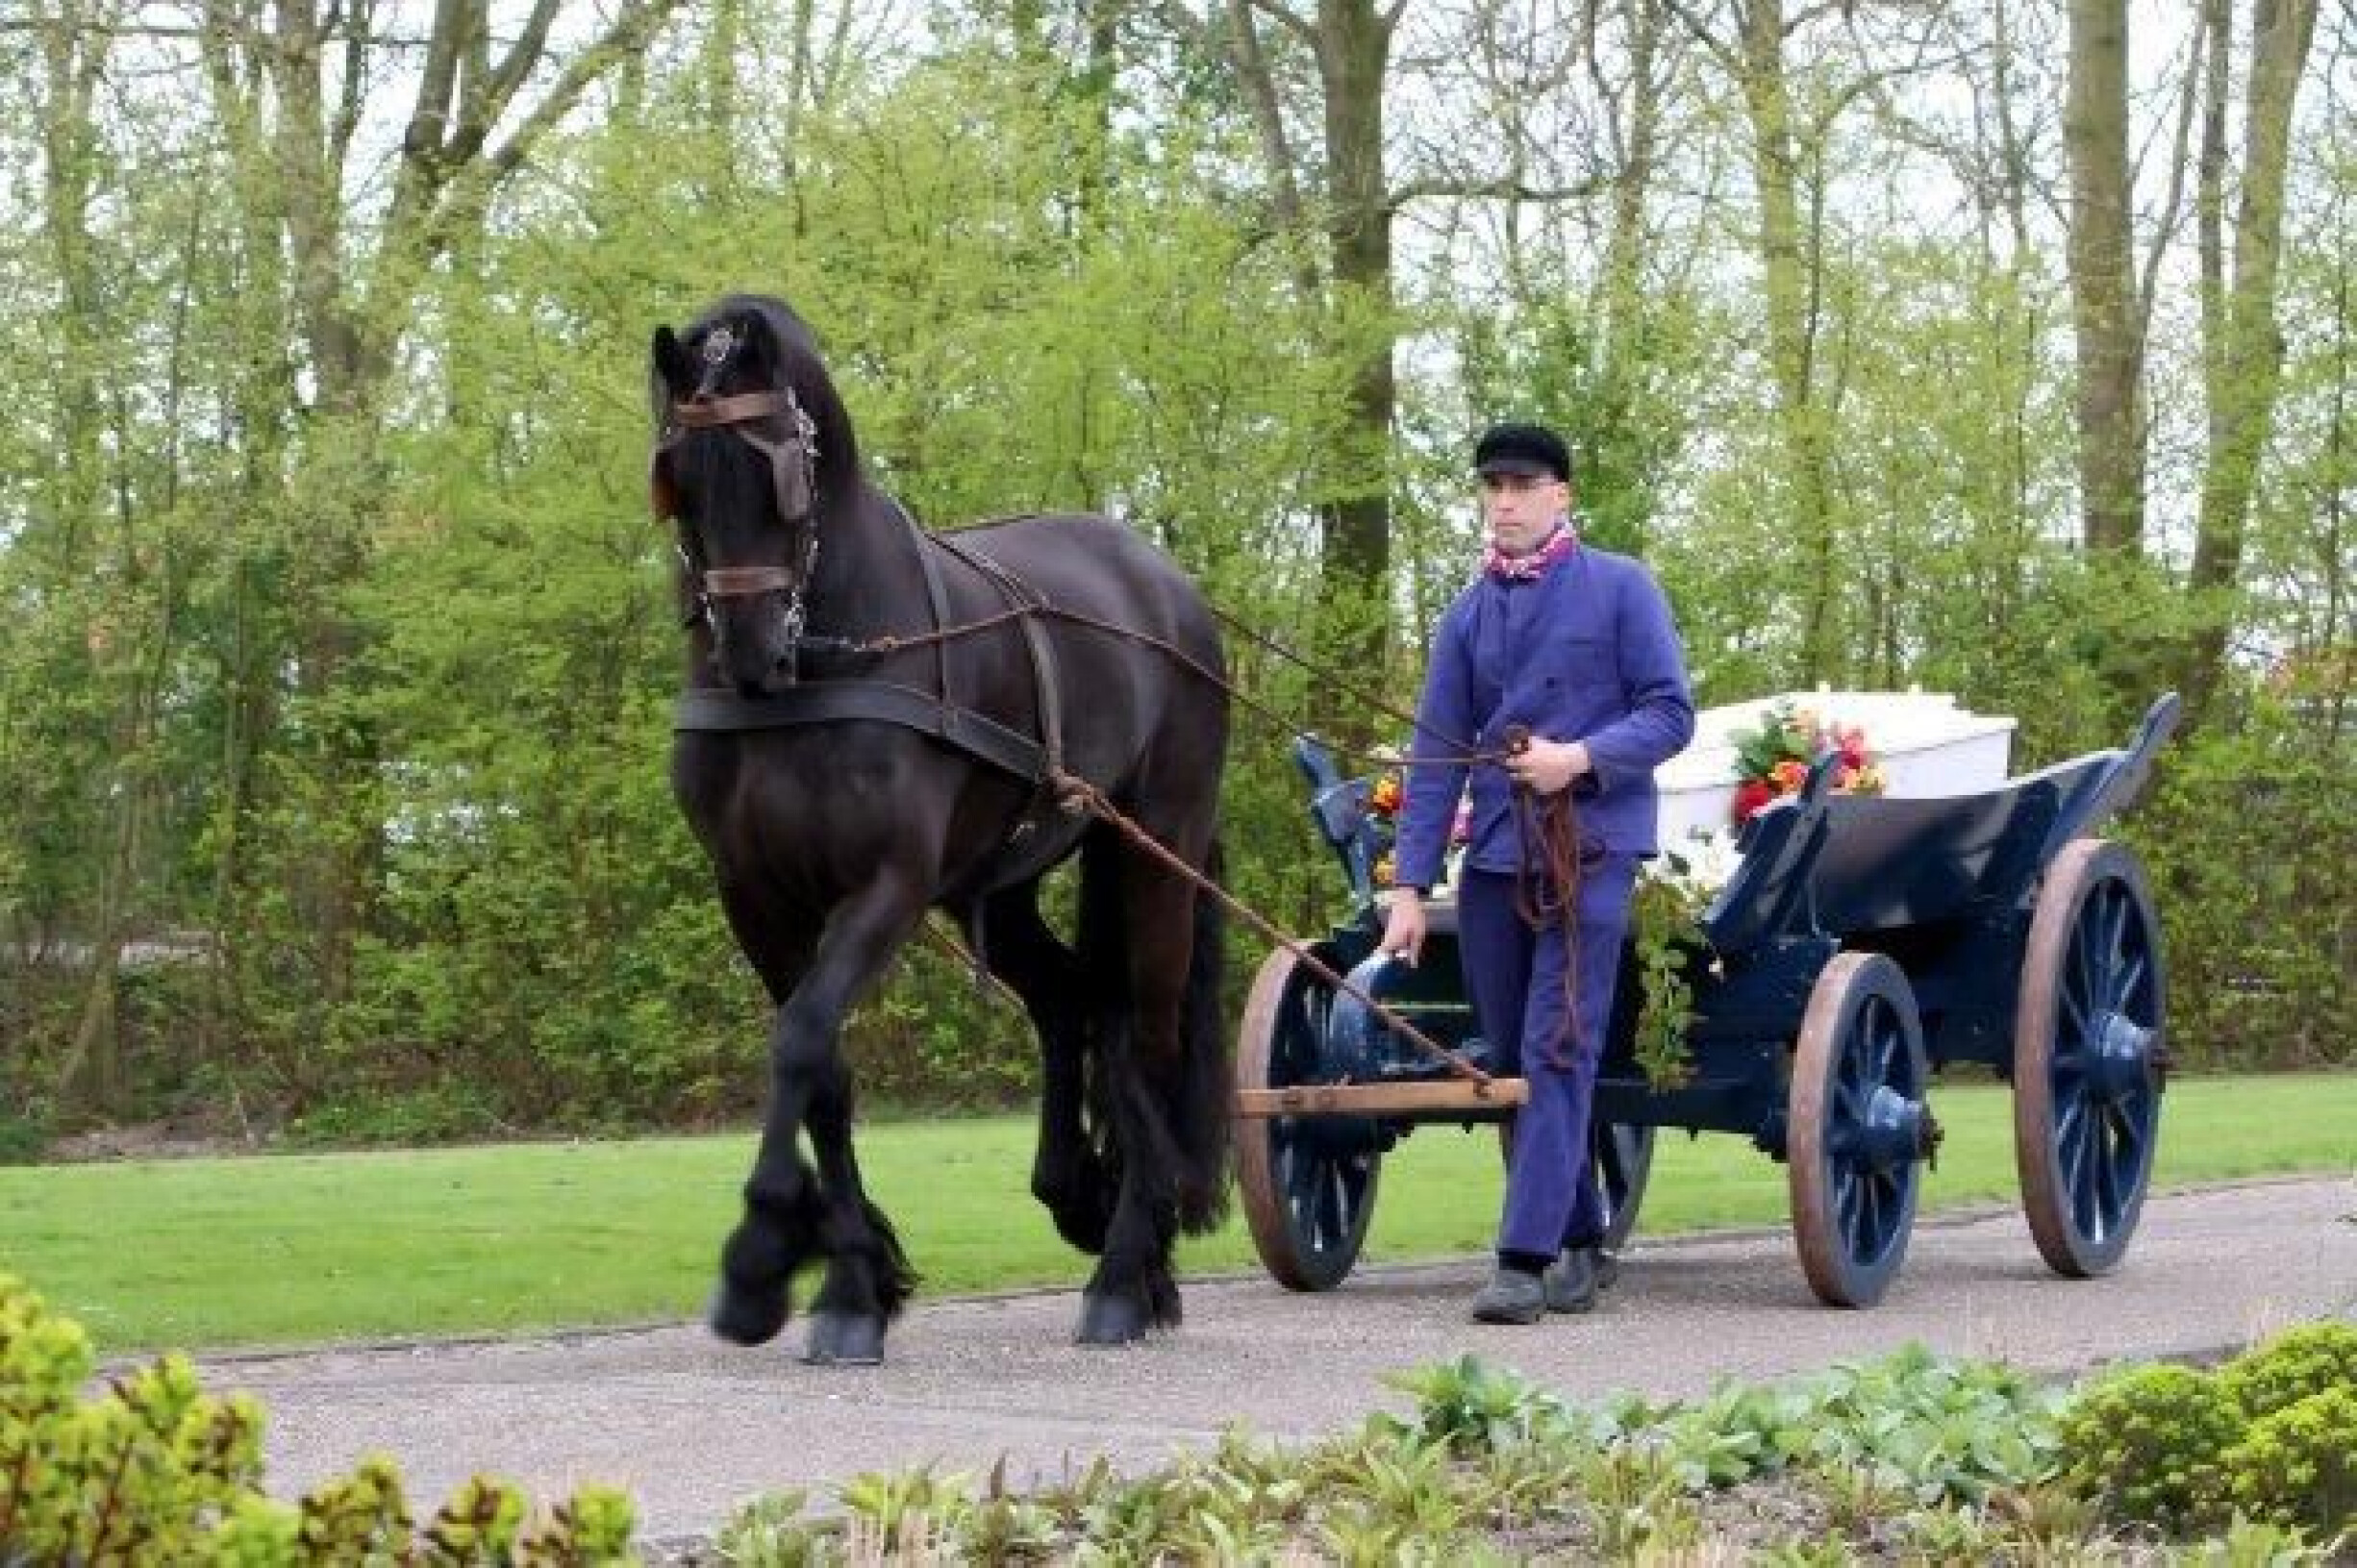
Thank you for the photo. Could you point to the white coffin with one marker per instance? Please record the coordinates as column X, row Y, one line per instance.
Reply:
column 1927, row 745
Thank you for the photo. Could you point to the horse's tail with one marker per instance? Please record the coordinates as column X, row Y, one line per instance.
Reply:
column 1208, row 1080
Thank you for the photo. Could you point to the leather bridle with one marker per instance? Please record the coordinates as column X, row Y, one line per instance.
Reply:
column 793, row 482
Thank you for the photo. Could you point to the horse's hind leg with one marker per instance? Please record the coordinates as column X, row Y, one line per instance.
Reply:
column 1153, row 1082
column 792, row 1215
column 1069, row 1175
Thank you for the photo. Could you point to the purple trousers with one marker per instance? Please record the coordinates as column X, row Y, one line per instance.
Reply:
column 1515, row 978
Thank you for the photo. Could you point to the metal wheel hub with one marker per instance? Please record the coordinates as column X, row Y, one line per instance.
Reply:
column 2120, row 1058
column 1893, row 1134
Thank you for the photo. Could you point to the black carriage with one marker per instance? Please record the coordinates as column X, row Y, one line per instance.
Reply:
column 1860, row 945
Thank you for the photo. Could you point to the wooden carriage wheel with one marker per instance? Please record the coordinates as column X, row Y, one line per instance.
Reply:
column 1308, row 1182
column 1858, row 1128
column 2088, row 1059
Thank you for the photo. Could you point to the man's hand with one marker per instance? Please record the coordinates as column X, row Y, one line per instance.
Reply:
column 1403, row 934
column 1547, row 766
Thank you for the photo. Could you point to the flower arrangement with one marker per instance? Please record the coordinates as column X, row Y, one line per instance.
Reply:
column 1773, row 760
column 1384, row 799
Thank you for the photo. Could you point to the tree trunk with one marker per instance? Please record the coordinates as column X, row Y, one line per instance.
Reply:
column 2110, row 352
column 1354, row 42
column 2245, row 372
column 1788, row 269
column 1626, row 240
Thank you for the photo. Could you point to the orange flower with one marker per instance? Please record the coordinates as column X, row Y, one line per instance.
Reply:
column 1788, row 776
column 1384, row 799
column 1383, row 872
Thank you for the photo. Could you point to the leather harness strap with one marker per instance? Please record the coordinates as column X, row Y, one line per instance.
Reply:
column 714, row 412
column 937, row 712
column 1020, row 596
column 711, row 711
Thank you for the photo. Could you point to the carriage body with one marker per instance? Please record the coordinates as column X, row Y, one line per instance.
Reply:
column 1862, row 946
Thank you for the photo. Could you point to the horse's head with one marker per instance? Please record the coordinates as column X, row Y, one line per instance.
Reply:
column 736, row 466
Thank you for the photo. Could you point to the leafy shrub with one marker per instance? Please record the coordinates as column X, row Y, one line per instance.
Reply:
column 155, row 1470
column 24, row 1137
column 2295, row 1366
column 1468, row 1406
column 1912, row 1421
column 2297, row 1465
column 2149, row 1440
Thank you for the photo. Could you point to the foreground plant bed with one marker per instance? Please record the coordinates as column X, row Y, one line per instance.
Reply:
column 1907, row 1460
column 1910, row 1459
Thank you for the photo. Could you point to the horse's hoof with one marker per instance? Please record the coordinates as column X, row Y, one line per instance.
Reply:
column 1111, row 1320
column 745, row 1317
column 844, row 1339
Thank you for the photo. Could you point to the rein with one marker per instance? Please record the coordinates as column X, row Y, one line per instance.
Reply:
column 1550, row 894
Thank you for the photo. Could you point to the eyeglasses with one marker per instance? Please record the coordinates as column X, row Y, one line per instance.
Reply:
column 1516, row 483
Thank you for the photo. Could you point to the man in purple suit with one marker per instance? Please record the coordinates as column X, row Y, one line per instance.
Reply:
column 1574, row 645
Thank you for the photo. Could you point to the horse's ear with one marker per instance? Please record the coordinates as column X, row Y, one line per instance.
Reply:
column 672, row 364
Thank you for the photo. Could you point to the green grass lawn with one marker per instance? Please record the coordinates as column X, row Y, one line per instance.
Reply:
column 294, row 1247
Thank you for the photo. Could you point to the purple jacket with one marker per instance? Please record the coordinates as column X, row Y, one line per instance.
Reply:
column 1586, row 651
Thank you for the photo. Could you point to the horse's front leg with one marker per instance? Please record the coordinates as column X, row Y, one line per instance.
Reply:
column 791, row 1214
column 867, row 1277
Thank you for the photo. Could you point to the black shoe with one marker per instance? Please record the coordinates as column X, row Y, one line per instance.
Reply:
column 1511, row 1296
column 1574, row 1278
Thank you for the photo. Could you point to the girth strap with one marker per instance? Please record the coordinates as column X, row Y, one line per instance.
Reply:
column 1019, row 595
column 884, row 702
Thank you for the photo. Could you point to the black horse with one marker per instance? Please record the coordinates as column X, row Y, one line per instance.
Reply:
column 845, row 780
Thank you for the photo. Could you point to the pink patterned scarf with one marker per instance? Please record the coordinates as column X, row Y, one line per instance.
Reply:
column 1529, row 569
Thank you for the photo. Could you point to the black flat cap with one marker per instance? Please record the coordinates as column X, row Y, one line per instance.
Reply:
column 1521, row 449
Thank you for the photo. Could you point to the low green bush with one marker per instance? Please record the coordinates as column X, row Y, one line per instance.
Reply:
column 155, row 1470
column 2295, row 1366
column 2297, row 1465
column 2270, row 1436
column 2149, row 1441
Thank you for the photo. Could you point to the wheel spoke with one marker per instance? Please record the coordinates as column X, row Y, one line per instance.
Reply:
column 2073, row 1015
column 2130, row 1145
column 2091, row 1180
column 1849, row 1067
column 1886, row 1053
column 1337, row 1207
column 2068, row 1147
column 2116, row 935
column 2130, row 1122
column 2069, row 1112
column 2108, row 1183
column 1848, row 1105
column 2083, row 965
column 2130, row 984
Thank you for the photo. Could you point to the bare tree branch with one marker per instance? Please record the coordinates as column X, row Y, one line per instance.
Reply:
column 1503, row 190
column 1244, row 48
column 1285, row 17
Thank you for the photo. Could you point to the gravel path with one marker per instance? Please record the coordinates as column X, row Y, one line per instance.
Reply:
column 691, row 1426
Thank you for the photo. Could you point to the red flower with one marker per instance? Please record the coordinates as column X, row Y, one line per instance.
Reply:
column 1749, row 796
